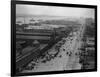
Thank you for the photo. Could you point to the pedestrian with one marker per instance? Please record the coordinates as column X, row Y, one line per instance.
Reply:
column 63, row 49
column 67, row 53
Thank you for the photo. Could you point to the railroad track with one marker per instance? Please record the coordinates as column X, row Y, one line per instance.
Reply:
column 21, row 62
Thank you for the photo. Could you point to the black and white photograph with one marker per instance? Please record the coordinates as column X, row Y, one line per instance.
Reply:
column 54, row 38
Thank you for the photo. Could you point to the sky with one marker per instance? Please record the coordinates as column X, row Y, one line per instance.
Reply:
column 54, row 11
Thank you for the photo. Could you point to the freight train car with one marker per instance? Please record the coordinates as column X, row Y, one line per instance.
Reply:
column 22, row 60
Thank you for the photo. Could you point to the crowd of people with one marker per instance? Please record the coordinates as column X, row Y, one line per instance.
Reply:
column 49, row 55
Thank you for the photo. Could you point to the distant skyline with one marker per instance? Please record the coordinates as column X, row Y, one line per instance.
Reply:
column 54, row 11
